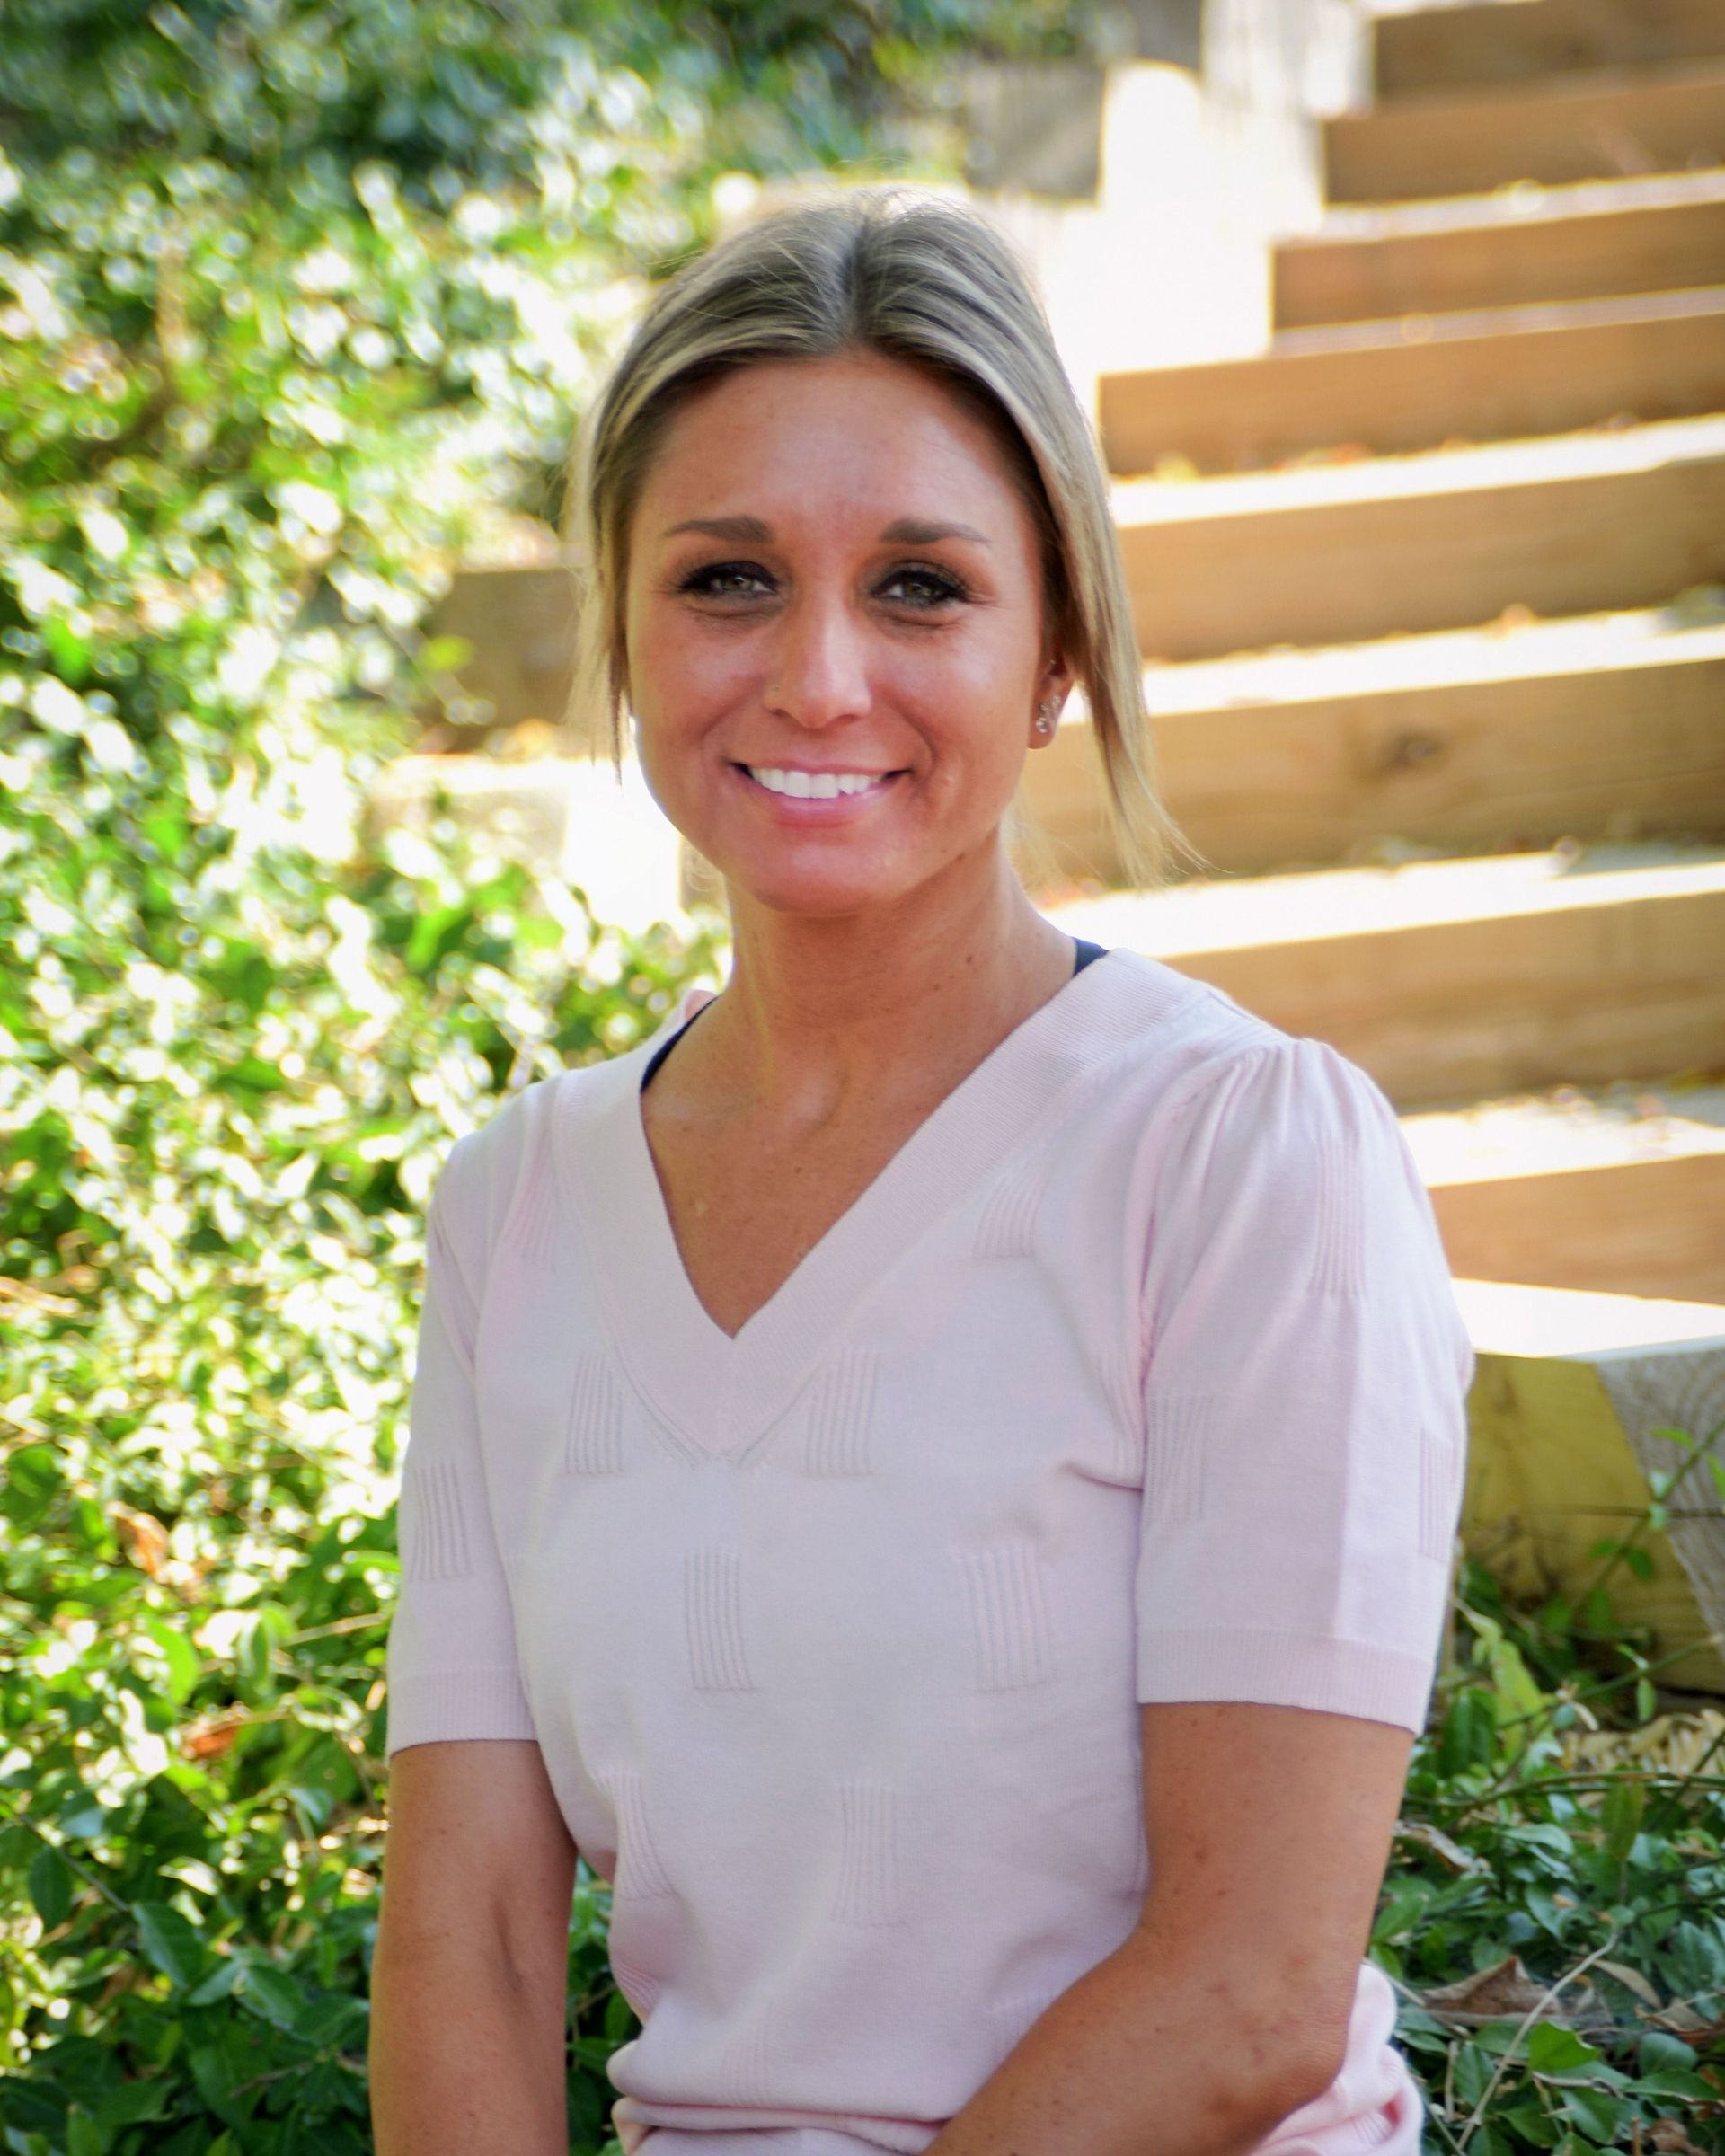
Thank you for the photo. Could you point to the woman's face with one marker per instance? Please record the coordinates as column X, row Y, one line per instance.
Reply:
column 831, row 570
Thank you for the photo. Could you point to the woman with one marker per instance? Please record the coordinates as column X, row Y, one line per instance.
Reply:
column 936, row 1473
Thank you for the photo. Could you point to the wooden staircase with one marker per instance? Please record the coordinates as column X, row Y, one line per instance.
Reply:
column 1431, row 596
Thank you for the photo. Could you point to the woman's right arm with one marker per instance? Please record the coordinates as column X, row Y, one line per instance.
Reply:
column 469, row 1977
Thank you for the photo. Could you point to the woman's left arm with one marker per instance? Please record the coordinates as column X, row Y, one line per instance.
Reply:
column 1305, row 1427
column 1227, row 2008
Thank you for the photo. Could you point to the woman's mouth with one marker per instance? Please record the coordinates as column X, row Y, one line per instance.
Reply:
column 860, row 792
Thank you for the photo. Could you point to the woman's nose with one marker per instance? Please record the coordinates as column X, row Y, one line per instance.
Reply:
column 819, row 671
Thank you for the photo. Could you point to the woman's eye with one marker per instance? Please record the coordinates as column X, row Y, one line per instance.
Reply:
column 725, row 580
column 923, row 588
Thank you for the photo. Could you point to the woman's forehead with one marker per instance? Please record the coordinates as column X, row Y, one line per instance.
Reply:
column 859, row 431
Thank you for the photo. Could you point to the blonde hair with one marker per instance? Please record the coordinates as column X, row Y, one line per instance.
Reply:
column 937, row 288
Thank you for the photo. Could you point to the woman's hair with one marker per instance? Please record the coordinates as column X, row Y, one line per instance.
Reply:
column 934, row 287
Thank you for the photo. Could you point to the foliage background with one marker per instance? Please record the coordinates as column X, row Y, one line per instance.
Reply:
column 293, row 293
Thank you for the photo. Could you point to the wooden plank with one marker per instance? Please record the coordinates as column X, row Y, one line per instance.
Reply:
column 1340, row 555
column 1608, row 735
column 1512, row 763
column 1605, row 239
column 1452, row 981
column 1499, row 375
column 1493, row 43
column 1566, row 1395
column 1645, row 1228
column 1621, row 1191
column 1583, row 126
column 521, row 624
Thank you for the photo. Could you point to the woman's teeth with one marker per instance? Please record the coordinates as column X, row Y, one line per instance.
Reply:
column 819, row 786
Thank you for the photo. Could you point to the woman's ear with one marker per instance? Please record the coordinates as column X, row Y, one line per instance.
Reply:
column 1054, row 683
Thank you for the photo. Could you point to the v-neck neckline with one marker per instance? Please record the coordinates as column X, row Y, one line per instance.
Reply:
column 719, row 1389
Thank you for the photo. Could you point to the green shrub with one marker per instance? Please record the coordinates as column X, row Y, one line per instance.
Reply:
column 291, row 293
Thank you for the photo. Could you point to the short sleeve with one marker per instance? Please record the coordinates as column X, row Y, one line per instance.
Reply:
column 1304, row 1395
column 452, row 1668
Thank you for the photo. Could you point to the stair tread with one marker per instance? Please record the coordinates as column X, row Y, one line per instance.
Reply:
column 1566, row 1129
column 1573, row 644
column 1490, row 43
column 1574, row 85
column 1580, row 1323
column 1313, row 905
column 1470, row 324
column 1595, row 453
column 1453, row 325
column 1519, row 202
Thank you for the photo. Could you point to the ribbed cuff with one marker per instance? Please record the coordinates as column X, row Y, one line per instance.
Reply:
column 447, row 1705
column 1285, row 1669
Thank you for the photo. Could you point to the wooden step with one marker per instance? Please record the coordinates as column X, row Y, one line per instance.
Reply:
column 1528, row 244
column 1601, row 727
column 1621, row 1191
column 1497, row 375
column 1593, row 126
column 1493, row 43
column 1576, row 524
column 1452, row 981
column 1569, row 1396
column 520, row 622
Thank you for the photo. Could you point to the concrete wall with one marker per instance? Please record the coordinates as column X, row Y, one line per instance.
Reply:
column 1146, row 191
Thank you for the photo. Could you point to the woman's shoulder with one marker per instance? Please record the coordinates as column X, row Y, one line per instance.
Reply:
column 1204, row 1082
column 1181, row 1039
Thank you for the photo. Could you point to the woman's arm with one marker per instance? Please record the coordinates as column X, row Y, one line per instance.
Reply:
column 1227, row 2008
column 470, row 1973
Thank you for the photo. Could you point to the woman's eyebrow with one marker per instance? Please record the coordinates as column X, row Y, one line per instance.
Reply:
column 723, row 528
column 913, row 531
column 906, row 530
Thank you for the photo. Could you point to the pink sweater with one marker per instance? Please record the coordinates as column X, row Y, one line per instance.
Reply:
column 1135, row 1375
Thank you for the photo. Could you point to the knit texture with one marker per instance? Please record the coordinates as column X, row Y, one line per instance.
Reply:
column 1135, row 1375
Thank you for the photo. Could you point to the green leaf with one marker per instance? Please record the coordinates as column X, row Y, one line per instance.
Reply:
column 1553, row 2049
column 1594, row 2111
column 170, row 1940
column 84, row 2136
column 185, row 1664
column 1678, row 2082
column 220, row 1980
column 271, row 1995
column 445, row 654
column 1622, row 1813
column 33, row 1478
column 1469, row 1732
column 133, row 2101
column 334, row 2021
column 51, row 1881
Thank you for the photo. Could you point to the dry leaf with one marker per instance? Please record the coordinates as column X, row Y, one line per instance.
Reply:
column 145, row 1537
column 1668, row 2137
column 1631, row 1980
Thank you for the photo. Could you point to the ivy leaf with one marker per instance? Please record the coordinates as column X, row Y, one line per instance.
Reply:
column 1553, row 2049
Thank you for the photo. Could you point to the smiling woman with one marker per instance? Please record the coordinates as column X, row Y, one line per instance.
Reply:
column 937, row 1477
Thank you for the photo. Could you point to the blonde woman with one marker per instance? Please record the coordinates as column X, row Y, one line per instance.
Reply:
column 935, row 1473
